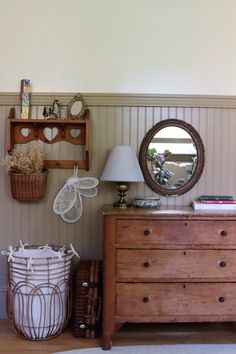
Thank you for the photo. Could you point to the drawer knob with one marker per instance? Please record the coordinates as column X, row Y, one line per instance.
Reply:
column 222, row 264
column 221, row 299
column 146, row 264
column 224, row 233
column 146, row 232
column 145, row 299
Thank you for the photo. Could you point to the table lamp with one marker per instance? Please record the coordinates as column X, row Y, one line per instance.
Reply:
column 122, row 167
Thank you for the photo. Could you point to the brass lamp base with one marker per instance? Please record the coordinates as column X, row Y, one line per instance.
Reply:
column 122, row 188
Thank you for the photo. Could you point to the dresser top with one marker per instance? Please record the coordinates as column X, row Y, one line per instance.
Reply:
column 171, row 211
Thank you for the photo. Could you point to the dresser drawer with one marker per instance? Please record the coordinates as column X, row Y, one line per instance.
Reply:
column 175, row 264
column 186, row 232
column 175, row 299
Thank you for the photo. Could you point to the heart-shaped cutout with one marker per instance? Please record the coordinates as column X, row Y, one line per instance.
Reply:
column 75, row 133
column 25, row 132
column 50, row 133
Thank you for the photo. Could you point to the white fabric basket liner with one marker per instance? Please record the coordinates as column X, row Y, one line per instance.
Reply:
column 40, row 275
column 33, row 267
column 40, row 265
column 35, row 253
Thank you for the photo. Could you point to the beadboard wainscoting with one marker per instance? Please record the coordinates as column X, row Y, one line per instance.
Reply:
column 113, row 123
column 3, row 292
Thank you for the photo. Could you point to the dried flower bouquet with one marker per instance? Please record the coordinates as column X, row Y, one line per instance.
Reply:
column 27, row 173
column 25, row 161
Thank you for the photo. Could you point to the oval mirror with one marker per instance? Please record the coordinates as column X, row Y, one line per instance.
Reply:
column 172, row 157
column 76, row 107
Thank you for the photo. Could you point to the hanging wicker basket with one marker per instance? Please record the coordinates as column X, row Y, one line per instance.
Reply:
column 28, row 187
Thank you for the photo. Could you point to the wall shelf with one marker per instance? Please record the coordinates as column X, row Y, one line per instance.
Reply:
column 15, row 134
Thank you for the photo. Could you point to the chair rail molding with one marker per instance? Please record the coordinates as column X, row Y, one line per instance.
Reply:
column 125, row 99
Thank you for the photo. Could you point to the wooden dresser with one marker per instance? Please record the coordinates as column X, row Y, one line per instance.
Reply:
column 164, row 265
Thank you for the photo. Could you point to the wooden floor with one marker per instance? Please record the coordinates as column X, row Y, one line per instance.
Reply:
column 132, row 334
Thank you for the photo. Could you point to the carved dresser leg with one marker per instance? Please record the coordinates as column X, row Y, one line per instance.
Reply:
column 106, row 342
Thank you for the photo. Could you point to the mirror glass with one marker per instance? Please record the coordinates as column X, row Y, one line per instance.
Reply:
column 76, row 108
column 172, row 157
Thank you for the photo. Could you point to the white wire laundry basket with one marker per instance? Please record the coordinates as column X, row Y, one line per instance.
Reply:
column 39, row 290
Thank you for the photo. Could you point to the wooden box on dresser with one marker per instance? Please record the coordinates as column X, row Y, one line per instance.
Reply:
column 167, row 265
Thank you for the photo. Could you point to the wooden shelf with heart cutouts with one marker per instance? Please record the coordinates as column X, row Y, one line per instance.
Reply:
column 36, row 131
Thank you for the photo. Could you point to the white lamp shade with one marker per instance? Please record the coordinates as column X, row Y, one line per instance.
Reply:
column 122, row 165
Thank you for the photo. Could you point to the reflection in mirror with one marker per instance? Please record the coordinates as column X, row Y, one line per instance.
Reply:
column 172, row 157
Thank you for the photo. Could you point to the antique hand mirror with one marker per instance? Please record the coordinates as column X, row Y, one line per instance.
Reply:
column 76, row 107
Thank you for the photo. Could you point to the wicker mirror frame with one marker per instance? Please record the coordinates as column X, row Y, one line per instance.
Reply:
column 77, row 99
column 199, row 164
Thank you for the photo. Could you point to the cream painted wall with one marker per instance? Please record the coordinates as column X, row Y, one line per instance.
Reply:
column 148, row 46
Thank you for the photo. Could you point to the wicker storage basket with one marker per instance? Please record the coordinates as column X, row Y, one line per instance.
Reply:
column 27, row 187
column 88, row 299
column 39, row 291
